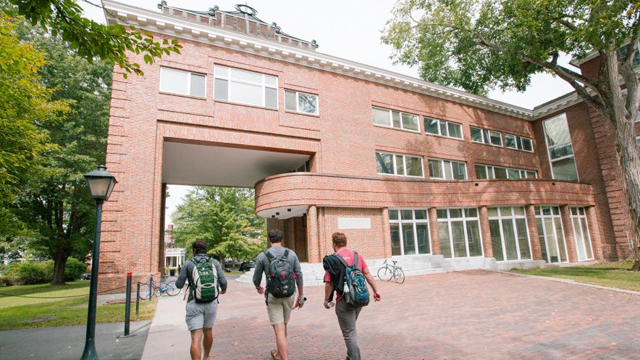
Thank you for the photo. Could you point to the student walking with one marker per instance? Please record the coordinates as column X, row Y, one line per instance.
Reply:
column 345, row 274
column 282, row 269
column 206, row 283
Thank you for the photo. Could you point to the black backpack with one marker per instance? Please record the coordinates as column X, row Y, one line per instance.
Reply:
column 281, row 282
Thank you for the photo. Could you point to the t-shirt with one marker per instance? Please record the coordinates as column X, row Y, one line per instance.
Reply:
column 348, row 256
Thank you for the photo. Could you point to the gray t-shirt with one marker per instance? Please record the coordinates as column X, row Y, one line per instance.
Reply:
column 185, row 274
column 262, row 264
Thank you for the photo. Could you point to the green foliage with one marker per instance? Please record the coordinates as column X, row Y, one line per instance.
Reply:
column 30, row 272
column 74, row 269
column 90, row 40
column 4, row 281
column 224, row 218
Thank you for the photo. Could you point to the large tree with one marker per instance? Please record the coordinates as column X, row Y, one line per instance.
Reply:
column 224, row 218
column 483, row 44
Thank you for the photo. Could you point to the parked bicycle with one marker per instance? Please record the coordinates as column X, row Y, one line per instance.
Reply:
column 391, row 271
column 159, row 289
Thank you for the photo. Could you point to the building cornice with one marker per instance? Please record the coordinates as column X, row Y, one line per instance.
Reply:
column 160, row 23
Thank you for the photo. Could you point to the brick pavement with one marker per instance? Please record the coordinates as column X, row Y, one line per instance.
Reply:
column 462, row 315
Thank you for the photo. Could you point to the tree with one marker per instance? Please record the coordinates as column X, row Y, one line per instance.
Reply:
column 92, row 40
column 224, row 218
column 484, row 44
column 55, row 202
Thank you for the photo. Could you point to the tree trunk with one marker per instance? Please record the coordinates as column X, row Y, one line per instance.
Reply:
column 59, row 263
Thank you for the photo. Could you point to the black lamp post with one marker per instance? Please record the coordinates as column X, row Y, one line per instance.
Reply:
column 101, row 183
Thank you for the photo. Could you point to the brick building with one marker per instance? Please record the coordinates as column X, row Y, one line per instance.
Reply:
column 435, row 177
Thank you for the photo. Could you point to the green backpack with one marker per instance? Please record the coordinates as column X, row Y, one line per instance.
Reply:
column 205, row 281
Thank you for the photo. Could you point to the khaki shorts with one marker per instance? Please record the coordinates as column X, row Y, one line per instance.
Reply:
column 279, row 309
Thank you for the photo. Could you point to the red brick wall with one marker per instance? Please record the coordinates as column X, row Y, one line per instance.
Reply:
column 368, row 242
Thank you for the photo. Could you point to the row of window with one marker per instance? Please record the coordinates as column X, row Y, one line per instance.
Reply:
column 492, row 137
column 460, row 235
column 439, row 169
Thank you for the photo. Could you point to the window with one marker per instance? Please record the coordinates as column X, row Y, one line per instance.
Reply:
column 409, row 231
column 443, row 128
column 447, row 170
column 518, row 143
column 301, row 102
column 485, row 136
column 563, row 163
column 551, row 234
column 397, row 164
column 182, row 82
column 509, row 234
column 581, row 234
column 459, row 232
column 395, row 119
column 245, row 87
column 496, row 172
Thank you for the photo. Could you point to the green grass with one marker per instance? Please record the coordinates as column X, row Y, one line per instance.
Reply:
column 37, row 302
column 612, row 274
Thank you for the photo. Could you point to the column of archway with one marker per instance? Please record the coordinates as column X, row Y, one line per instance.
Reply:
column 433, row 231
column 536, row 248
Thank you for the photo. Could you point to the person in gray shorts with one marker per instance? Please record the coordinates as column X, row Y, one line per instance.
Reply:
column 200, row 316
column 279, row 309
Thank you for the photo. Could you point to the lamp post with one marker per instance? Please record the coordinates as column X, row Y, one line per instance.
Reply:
column 101, row 183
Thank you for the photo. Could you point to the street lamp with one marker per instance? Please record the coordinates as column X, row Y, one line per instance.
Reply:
column 101, row 184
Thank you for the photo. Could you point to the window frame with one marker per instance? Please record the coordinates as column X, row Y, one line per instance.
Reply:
column 400, row 113
column 580, row 215
column 414, row 223
column 297, row 110
column 513, row 217
column 486, row 136
column 442, row 161
column 519, row 142
column 404, row 163
column 263, row 85
column 464, row 220
column 541, row 216
column 490, row 169
column 573, row 155
column 189, row 75
column 446, row 124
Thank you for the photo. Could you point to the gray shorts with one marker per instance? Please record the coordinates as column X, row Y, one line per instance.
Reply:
column 201, row 315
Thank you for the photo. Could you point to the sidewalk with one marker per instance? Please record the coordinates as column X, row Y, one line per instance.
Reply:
column 168, row 335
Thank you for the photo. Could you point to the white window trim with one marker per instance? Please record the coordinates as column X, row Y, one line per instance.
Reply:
column 447, row 125
column 513, row 218
column 516, row 141
column 490, row 169
column 466, row 172
column 390, row 126
column 414, row 223
column 404, row 163
column 464, row 220
column 552, row 216
column 263, row 84
column 162, row 69
column 580, row 217
column 546, row 142
column 486, row 141
column 297, row 110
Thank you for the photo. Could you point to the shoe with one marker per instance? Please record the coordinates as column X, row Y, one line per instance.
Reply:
column 274, row 354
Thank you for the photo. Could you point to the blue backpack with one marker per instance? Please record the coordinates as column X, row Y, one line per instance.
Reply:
column 355, row 291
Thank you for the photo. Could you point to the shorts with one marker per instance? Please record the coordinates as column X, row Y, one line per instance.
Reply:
column 279, row 309
column 201, row 315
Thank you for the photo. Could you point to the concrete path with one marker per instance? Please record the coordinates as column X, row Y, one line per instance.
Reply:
column 67, row 342
column 168, row 336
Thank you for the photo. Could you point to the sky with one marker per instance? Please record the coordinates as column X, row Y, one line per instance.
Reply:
column 348, row 29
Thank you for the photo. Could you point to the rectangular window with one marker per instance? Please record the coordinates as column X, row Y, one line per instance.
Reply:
column 443, row 128
column 182, row 82
column 301, row 102
column 485, row 136
column 518, row 143
column 447, row 170
column 496, row 172
column 245, row 87
column 398, row 164
column 581, row 234
column 509, row 234
column 409, row 232
column 459, row 232
column 558, row 138
column 551, row 234
column 396, row 119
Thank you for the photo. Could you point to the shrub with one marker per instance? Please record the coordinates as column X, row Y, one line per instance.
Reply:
column 4, row 281
column 30, row 272
column 74, row 269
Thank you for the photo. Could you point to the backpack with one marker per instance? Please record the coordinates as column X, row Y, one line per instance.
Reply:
column 356, row 292
column 205, row 281
column 281, row 281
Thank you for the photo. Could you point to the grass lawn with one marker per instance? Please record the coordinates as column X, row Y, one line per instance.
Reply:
column 612, row 274
column 46, row 305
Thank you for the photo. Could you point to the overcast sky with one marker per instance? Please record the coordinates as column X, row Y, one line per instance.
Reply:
column 348, row 29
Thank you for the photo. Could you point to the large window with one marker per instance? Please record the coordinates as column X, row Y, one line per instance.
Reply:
column 245, row 87
column 497, row 172
column 509, row 234
column 182, row 82
column 409, row 232
column 398, row 164
column 443, row 128
column 301, row 102
column 396, row 119
column 484, row 136
column 518, row 142
column 581, row 234
column 447, row 170
column 459, row 233
column 563, row 163
column 551, row 234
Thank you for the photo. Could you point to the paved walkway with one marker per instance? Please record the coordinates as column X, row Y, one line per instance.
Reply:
column 462, row 315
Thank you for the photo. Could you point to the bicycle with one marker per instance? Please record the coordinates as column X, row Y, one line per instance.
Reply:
column 159, row 289
column 390, row 271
